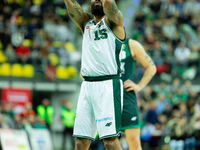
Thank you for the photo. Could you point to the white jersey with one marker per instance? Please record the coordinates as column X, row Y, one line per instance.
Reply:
column 100, row 50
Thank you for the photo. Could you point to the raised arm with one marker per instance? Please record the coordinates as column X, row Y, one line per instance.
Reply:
column 112, row 12
column 139, row 53
column 76, row 13
column 114, row 18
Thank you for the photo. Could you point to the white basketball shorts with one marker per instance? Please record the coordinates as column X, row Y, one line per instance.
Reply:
column 99, row 109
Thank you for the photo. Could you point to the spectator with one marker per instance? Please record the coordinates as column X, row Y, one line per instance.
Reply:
column 18, row 122
column 68, row 118
column 64, row 56
column 158, row 54
column 180, row 96
column 62, row 33
column 149, row 93
column 28, row 110
column 5, row 121
column 23, row 54
column 161, row 104
column 26, row 124
column 32, row 28
column 191, row 6
column 7, row 116
column 179, row 6
column 35, row 55
column 182, row 55
column 175, row 125
column 45, row 112
column 169, row 29
column 50, row 27
column 5, row 38
column 8, row 111
column 1, row 22
column 175, row 86
column 152, row 116
column 187, row 87
column 168, row 8
column 164, row 90
column 155, row 6
column 31, row 121
column 40, row 124
column 10, row 54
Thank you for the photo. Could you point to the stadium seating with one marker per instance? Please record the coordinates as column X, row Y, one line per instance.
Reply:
column 28, row 71
column 27, row 42
column 69, row 46
column 3, row 58
column 72, row 71
column 17, row 70
column 61, row 73
column 54, row 59
column 5, row 69
column 37, row 2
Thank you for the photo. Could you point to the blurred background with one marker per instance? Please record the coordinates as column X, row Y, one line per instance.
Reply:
column 40, row 54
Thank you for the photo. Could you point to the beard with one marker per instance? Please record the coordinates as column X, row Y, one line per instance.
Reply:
column 97, row 10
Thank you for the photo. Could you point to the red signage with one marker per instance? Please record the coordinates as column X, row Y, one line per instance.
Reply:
column 16, row 96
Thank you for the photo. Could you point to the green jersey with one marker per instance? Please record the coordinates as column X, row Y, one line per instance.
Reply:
column 130, row 114
column 128, row 64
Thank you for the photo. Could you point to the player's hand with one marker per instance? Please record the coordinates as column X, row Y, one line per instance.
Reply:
column 131, row 86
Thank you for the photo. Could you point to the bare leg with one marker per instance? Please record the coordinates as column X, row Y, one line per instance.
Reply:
column 112, row 143
column 82, row 144
column 133, row 138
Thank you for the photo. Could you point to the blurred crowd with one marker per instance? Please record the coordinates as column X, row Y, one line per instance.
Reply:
column 170, row 117
column 41, row 118
column 27, row 119
column 37, row 32
column 170, row 114
column 170, row 32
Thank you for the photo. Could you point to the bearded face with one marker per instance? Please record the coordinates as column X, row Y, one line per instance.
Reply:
column 97, row 8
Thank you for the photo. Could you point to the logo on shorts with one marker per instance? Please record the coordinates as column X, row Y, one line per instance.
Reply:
column 108, row 124
column 133, row 118
column 104, row 119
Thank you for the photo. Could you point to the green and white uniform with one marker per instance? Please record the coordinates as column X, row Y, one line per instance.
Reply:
column 130, row 114
column 101, row 97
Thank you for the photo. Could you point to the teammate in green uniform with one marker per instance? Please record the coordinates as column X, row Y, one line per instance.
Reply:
column 133, row 51
column 101, row 96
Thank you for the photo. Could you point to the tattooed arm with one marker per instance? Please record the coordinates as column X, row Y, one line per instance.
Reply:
column 112, row 12
column 114, row 17
column 76, row 13
column 139, row 53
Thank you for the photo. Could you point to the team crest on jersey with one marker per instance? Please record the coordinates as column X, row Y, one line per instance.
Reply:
column 123, row 46
column 122, row 55
column 100, row 24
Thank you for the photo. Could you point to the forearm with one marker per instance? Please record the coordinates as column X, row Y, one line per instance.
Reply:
column 75, row 12
column 148, row 75
column 111, row 11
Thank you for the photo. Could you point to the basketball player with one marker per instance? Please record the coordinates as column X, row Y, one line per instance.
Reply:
column 101, row 96
column 131, row 52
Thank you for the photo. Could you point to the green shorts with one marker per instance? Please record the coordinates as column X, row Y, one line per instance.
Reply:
column 130, row 114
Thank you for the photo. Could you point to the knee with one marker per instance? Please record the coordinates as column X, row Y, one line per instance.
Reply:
column 81, row 142
column 109, row 142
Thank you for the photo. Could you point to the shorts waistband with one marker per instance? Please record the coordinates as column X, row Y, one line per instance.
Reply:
column 101, row 78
